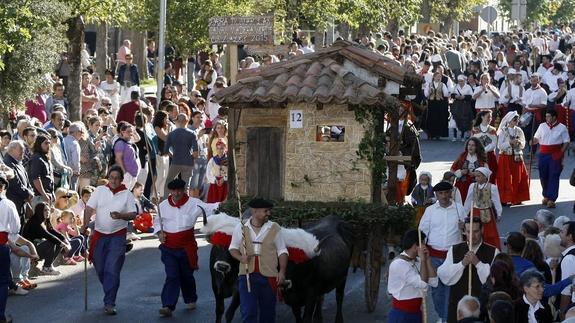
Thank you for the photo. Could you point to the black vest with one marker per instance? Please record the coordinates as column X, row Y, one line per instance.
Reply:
column 558, row 270
column 485, row 253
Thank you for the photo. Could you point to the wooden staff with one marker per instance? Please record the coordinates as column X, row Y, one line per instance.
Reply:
column 237, row 191
column 423, row 302
column 531, row 147
column 470, row 277
column 86, row 283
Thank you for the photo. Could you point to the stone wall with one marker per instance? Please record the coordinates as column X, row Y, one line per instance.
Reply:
column 333, row 168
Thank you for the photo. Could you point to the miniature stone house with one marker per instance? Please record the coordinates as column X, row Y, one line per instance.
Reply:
column 294, row 127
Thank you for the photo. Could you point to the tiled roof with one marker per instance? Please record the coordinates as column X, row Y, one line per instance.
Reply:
column 319, row 77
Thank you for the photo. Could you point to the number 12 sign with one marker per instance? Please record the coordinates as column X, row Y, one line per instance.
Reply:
column 296, row 119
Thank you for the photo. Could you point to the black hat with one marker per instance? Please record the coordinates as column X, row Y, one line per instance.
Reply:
column 177, row 184
column 259, row 203
column 3, row 179
column 442, row 186
column 492, row 61
column 547, row 56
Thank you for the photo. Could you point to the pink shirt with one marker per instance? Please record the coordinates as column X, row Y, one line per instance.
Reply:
column 36, row 109
column 89, row 90
column 65, row 228
column 122, row 52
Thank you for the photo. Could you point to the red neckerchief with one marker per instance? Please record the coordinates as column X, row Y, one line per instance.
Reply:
column 117, row 189
column 180, row 202
column 551, row 126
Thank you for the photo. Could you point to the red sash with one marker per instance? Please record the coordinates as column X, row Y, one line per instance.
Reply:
column 437, row 253
column 184, row 240
column 97, row 235
column 273, row 281
column 554, row 150
column 412, row 305
column 3, row 238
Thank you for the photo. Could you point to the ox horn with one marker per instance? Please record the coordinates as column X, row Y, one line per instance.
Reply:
column 204, row 216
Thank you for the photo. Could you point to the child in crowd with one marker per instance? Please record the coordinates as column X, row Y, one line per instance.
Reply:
column 144, row 221
column 422, row 195
column 67, row 227
column 217, row 174
column 80, row 206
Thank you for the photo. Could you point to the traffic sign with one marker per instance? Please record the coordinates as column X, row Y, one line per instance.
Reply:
column 489, row 14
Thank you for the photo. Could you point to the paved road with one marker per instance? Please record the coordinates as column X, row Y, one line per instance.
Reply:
column 61, row 299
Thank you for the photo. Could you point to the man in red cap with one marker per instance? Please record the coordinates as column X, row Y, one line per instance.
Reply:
column 179, row 248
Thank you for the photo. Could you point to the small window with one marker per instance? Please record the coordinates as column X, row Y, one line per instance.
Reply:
column 329, row 133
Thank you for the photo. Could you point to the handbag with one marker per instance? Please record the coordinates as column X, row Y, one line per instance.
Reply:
column 64, row 181
column 572, row 178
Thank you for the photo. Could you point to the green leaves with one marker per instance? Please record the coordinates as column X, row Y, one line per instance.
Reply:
column 31, row 39
column 393, row 219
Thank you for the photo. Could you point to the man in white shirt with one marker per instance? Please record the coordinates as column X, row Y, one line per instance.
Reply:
column 178, row 245
column 554, row 140
column 566, row 267
column 409, row 278
column 113, row 205
column 552, row 75
column 460, row 259
column 9, row 237
column 511, row 92
column 535, row 101
column 265, row 250
column 440, row 223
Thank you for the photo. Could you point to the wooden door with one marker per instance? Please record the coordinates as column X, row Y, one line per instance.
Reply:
column 264, row 162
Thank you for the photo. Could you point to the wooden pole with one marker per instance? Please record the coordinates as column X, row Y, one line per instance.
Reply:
column 86, row 283
column 244, row 244
column 424, row 302
column 470, row 277
column 233, row 50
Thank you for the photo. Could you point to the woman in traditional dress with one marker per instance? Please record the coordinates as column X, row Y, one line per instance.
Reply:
column 461, row 109
column 463, row 167
column 512, row 177
column 217, row 175
column 422, row 195
column 437, row 95
column 487, row 134
column 483, row 198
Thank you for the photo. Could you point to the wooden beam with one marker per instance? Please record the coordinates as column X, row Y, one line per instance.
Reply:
column 397, row 159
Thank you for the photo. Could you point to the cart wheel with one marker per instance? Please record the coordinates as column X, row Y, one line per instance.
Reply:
column 372, row 270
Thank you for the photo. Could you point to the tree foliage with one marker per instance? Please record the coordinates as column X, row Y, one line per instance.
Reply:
column 542, row 12
column 31, row 39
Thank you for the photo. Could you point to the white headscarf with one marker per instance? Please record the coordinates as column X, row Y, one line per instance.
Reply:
column 484, row 170
column 505, row 121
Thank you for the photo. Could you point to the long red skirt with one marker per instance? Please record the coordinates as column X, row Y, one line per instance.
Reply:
column 217, row 193
column 566, row 117
column 490, row 232
column 512, row 180
column 492, row 164
column 463, row 186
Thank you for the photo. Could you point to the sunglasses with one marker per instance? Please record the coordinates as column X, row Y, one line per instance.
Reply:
column 197, row 96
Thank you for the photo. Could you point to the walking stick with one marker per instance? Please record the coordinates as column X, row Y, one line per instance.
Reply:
column 237, row 193
column 531, row 148
column 424, row 302
column 470, row 277
column 85, row 284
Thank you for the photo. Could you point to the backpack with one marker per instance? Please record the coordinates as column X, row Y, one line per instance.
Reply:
column 112, row 156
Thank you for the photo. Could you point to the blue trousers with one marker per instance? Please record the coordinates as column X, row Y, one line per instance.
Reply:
column 549, row 174
column 397, row 316
column 440, row 294
column 261, row 300
column 179, row 276
column 5, row 278
column 108, row 260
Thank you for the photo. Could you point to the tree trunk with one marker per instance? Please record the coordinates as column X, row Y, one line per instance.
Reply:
column 138, row 40
column 344, row 31
column 102, row 49
column 319, row 39
column 393, row 27
column 425, row 11
column 75, row 34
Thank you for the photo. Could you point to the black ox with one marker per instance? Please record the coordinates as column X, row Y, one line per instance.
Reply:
column 306, row 283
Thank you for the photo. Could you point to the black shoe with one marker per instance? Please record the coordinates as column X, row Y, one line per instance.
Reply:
column 110, row 310
column 129, row 247
column 7, row 320
column 165, row 312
